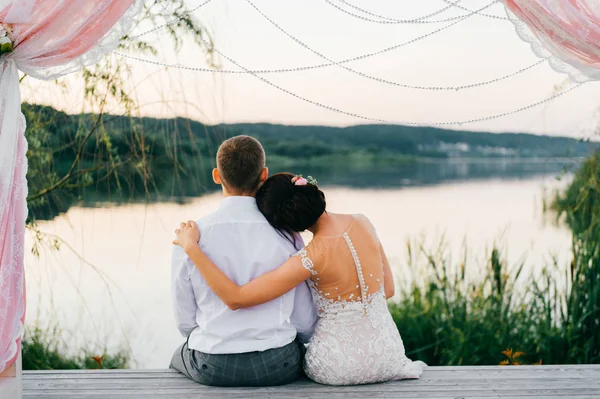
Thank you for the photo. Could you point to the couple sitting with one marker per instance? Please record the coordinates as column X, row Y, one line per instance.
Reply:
column 242, row 284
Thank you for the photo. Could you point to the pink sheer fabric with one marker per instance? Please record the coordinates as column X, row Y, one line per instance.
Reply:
column 566, row 32
column 51, row 38
column 13, row 192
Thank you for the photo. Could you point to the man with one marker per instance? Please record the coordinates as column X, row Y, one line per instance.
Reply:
column 258, row 346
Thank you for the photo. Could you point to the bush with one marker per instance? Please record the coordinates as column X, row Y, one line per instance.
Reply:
column 42, row 351
column 446, row 318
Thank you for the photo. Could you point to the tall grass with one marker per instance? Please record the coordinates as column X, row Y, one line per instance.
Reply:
column 43, row 350
column 579, row 207
column 453, row 315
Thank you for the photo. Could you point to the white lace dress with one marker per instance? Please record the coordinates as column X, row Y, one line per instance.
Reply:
column 356, row 340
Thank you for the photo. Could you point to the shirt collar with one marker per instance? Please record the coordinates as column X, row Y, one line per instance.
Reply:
column 239, row 202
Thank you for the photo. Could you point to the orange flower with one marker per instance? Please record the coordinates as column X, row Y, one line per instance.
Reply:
column 99, row 360
column 504, row 363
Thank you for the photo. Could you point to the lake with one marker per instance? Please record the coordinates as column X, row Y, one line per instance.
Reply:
column 109, row 283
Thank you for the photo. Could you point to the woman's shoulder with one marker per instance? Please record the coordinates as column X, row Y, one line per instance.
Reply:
column 309, row 255
column 311, row 250
column 362, row 219
column 365, row 222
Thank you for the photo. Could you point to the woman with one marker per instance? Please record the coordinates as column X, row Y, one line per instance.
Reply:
column 356, row 340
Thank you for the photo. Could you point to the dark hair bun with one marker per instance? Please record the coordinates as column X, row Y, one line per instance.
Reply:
column 288, row 207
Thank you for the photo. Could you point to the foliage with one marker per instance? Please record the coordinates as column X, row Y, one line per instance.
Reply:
column 450, row 316
column 42, row 350
column 69, row 153
column 580, row 203
column 580, row 206
column 457, row 315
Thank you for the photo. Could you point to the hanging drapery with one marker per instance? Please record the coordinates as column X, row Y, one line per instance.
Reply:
column 566, row 32
column 48, row 39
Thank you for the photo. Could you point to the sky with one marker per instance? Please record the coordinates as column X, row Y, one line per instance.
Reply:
column 473, row 50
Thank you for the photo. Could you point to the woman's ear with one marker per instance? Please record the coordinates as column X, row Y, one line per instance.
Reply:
column 216, row 177
column 264, row 175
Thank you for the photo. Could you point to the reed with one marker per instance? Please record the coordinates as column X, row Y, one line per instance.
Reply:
column 452, row 315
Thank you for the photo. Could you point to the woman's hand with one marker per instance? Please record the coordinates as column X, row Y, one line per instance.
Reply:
column 262, row 289
column 188, row 236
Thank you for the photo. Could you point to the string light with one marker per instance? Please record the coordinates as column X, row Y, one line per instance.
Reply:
column 355, row 115
column 271, row 71
column 171, row 22
column 386, row 81
column 516, row 111
column 256, row 74
column 455, row 4
column 392, row 21
column 357, row 58
column 360, row 57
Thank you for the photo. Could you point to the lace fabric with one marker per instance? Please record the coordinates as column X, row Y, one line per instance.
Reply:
column 356, row 340
column 13, row 211
column 74, row 34
column 566, row 33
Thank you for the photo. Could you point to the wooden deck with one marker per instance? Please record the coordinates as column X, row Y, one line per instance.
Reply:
column 548, row 382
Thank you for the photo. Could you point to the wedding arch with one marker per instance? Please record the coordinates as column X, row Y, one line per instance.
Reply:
column 47, row 39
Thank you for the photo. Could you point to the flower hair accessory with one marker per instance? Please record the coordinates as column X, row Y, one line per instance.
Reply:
column 6, row 44
column 301, row 181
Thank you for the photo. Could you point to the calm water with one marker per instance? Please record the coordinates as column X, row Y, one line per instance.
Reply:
column 108, row 285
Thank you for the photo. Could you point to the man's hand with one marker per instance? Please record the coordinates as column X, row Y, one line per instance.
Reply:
column 188, row 236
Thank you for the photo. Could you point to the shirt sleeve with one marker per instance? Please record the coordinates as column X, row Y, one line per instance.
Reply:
column 304, row 316
column 184, row 301
column 298, row 241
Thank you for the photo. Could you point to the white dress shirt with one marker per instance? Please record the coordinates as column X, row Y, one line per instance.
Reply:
column 240, row 241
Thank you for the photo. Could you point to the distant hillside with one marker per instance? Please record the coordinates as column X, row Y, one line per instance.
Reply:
column 172, row 158
column 420, row 141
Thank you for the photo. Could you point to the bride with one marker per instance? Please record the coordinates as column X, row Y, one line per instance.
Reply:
column 356, row 340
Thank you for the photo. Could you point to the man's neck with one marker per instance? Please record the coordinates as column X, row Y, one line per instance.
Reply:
column 227, row 193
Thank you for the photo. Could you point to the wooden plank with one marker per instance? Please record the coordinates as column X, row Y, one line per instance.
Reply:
column 400, row 385
column 350, row 395
column 299, row 394
column 466, row 372
column 430, row 369
column 548, row 382
column 424, row 379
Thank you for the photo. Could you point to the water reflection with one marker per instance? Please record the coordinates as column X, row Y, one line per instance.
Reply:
column 432, row 173
column 182, row 189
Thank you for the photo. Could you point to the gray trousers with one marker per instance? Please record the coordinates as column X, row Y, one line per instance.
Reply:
column 276, row 366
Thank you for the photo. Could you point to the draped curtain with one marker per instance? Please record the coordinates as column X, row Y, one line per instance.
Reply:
column 566, row 32
column 51, row 38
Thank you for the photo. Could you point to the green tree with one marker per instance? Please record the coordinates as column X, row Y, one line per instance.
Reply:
column 97, row 156
column 67, row 154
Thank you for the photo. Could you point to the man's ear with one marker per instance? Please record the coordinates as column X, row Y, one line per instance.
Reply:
column 264, row 175
column 216, row 177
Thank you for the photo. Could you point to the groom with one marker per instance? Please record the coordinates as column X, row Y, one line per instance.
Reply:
column 258, row 346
